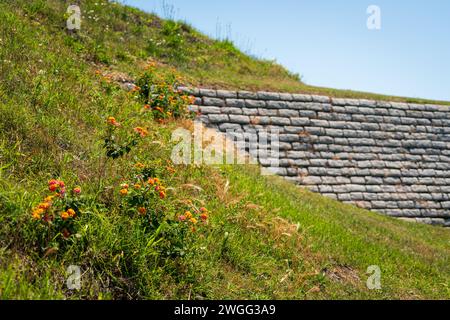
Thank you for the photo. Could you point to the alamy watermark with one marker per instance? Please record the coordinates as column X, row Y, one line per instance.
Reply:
column 374, row 280
column 374, row 19
column 74, row 20
column 73, row 281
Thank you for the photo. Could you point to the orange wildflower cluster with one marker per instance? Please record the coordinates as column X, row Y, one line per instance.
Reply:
column 70, row 213
column 145, row 188
column 112, row 121
column 124, row 190
column 161, row 96
column 188, row 217
column 118, row 144
column 141, row 131
column 154, row 183
column 158, row 187
column 57, row 186
column 188, row 99
column 43, row 209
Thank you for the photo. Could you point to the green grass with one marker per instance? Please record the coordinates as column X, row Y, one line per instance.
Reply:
column 267, row 239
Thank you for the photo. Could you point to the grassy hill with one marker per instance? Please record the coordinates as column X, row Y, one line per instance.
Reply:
column 259, row 237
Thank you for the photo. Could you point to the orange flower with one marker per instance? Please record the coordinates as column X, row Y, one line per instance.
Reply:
column 49, row 199
column 162, row 194
column 204, row 216
column 37, row 214
column 77, row 190
column 124, row 192
column 65, row 215
column 159, row 109
column 188, row 214
column 54, row 185
column 125, row 186
column 137, row 186
column 193, row 220
column 142, row 210
column 71, row 213
column 112, row 121
column 151, row 181
column 139, row 165
column 141, row 131
column 44, row 206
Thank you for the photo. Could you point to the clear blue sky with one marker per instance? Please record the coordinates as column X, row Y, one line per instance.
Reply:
column 328, row 42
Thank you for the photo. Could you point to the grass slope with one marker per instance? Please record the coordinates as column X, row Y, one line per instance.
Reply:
column 266, row 238
column 123, row 38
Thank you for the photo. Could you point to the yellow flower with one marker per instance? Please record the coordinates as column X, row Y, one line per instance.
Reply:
column 49, row 199
column 37, row 214
column 137, row 186
column 124, row 192
column 65, row 215
column 188, row 214
column 71, row 213
column 193, row 220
